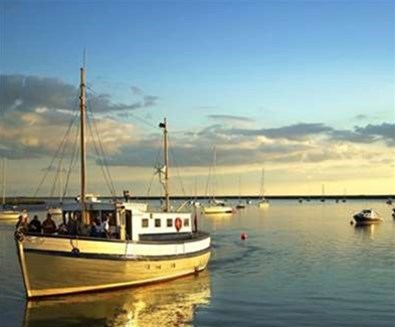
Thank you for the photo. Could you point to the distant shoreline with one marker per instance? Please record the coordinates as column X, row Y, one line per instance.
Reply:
column 41, row 200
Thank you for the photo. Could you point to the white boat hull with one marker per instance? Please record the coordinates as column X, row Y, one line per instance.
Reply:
column 217, row 209
column 75, row 265
column 263, row 204
column 9, row 215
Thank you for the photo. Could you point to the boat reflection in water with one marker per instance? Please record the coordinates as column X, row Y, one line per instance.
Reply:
column 164, row 304
column 367, row 231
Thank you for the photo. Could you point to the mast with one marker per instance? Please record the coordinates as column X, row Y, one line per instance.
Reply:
column 214, row 172
column 3, row 202
column 83, row 154
column 166, row 164
column 262, row 191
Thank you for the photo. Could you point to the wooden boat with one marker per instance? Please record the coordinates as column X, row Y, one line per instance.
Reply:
column 171, row 304
column 139, row 247
column 367, row 217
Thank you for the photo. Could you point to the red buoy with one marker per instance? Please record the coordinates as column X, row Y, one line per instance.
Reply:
column 243, row 236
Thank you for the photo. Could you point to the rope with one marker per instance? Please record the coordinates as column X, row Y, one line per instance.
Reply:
column 62, row 144
column 101, row 163
column 71, row 165
column 177, row 170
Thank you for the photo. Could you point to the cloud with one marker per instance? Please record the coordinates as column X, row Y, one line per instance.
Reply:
column 384, row 132
column 136, row 90
column 27, row 93
column 230, row 118
column 292, row 132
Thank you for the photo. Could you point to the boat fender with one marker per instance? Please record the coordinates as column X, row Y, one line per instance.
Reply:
column 19, row 236
column 75, row 252
column 178, row 224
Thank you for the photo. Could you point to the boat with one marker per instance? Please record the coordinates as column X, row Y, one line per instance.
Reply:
column 55, row 211
column 134, row 248
column 240, row 205
column 263, row 202
column 7, row 213
column 367, row 217
column 323, row 193
column 215, row 206
column 172, row 304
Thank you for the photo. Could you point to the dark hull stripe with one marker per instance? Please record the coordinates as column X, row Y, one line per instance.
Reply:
column 117, row 257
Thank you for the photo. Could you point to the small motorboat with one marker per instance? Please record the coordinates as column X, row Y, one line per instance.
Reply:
column 367, row 217
column 240, row 206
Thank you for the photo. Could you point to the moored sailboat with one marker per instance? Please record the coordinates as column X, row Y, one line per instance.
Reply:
column 263, row 202
column 215, row 206
column 134, row 247
column 7, row 213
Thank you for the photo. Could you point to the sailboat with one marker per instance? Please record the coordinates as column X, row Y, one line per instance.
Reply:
column 7, row 214
column 263, row 203
column 240, row 205
column 138, row 247
column 216, row 206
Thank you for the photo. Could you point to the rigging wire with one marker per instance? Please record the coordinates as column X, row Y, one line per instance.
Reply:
column 72, row 162
column 101, row 153
column 50, row 167
column 158, row 153
column 177, row 169
column 107, row 178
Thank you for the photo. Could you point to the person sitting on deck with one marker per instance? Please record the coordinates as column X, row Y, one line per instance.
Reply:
column 62, row 229
column 21, row 225
column 48, row 225
column 104, row 229
column 72, row 225
column 35, row 225
column 95, row 226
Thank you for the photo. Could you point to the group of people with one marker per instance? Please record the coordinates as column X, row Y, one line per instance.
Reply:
column 48, row 226
column 73, row 227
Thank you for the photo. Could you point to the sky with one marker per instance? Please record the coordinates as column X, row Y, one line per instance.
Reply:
column 301, row 89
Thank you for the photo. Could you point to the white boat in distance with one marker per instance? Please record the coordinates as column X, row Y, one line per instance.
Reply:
column 140, row 247
column 5, row 213
column 263, row 202
column 367, row 217
column 215, row 206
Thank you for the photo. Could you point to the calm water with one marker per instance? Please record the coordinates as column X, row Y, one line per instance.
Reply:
column 302, row 265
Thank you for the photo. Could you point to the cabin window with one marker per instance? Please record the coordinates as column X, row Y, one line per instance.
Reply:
column 186, row 222
column 169, row 222
column 157, row 222
column 144, row 223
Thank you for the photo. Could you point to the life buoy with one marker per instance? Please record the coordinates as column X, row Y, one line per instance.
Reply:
column 75, row 252
column 178, row 224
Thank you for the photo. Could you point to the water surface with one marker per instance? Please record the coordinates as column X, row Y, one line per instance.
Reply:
column 302, row 265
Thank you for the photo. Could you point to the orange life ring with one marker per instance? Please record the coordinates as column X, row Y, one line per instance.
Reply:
column 178, row 224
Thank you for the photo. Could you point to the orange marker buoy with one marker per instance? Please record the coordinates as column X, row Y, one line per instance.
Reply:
column 243, row 236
